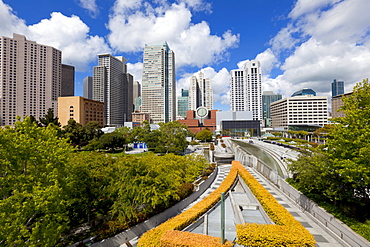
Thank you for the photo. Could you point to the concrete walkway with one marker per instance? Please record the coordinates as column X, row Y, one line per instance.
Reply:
column 323, row 237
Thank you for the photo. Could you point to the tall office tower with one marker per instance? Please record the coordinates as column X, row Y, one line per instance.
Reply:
column 183, row 103
column 88, row 87
column 113, row 86
column 200, row 92
column 267, row 98
column 158, row 90
column 337, row 87
column 136, row 90
column 246, row 89
column 67, row 87
column 30, row 78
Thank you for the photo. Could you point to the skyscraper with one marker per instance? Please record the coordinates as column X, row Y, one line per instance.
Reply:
column 246, row 89
column 337, row 87
column 183, row 103
column 30, row 78
column 159, row 84
column 113, row 86
column 200, row 92
column 267, row 98
column 88, row 87
column 68, row 81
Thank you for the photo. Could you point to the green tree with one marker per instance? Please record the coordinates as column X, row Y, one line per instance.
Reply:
column 343, row 165
column 152, row 182
column 34, row 163
column 170, row 138
column 76, row 133
column 112, row 141
column 93, row 130
column 49, row 118
column 204, row 135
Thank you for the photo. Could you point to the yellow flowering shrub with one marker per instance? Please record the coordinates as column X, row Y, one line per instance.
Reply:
column 174, row 238
column 287, row 231
column 152, row 237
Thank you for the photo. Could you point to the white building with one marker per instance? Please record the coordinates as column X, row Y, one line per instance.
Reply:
column 246, row 89
column 158, row 88
column 113, row 86
column 30, row 78
column 200, row 92
column 299, row 112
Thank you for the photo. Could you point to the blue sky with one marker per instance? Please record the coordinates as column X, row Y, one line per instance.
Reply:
column 300, row 43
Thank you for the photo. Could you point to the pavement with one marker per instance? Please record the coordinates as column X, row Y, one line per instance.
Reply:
column 323, row 236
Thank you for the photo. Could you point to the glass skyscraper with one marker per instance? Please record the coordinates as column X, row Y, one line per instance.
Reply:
column 267, row 98
column 337, row 87
column 183, row 103
column 158, row 89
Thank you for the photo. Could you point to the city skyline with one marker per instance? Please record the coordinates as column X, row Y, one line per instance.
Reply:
column 300, row 44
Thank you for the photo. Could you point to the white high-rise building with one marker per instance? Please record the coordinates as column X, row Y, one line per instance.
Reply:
column 200, row 92
column 113, row 86
column 300, row 112
column 30, row 78
column 246, row 89
column 158, row 88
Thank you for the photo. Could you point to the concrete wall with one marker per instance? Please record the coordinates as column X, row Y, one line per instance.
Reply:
column 342, row 231
column 158, row 219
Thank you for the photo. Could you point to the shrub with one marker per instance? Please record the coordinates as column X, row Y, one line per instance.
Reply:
column 152, row 237
column 188, row 239
column 268, row 235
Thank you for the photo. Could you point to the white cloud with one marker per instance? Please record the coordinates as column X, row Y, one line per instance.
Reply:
column 91, row 6
column 135, row 69
column 326, row 40
column 70, row 35
column 9, row 21
column 136, row 23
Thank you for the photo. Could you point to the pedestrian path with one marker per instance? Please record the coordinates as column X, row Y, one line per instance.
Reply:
column 323, row 236
column 223, row 170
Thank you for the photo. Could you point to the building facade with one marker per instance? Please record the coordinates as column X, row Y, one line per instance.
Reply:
column 337, row 87
column 304, row 112
column 158, row 83
column 200, row 92
column 88, row 87
column 138, row 117
column 198, row 123
column 183, row 103
column 267, row 98
column 30, row 78
column 246, row 89
column 337, row 103
column 68, row 81
column 80, row 109
column 113, row 86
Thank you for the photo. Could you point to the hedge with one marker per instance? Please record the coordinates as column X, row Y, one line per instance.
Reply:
column 152, row 237
column 287, row 231
column 173, row 238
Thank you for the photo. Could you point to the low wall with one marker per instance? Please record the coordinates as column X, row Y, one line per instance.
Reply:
column 158, row 219
column 339, row 228
column 341, row 231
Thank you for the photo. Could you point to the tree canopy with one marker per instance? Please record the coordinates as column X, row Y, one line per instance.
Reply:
column 32, row 186
column 204, row 135
column 340, row 171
